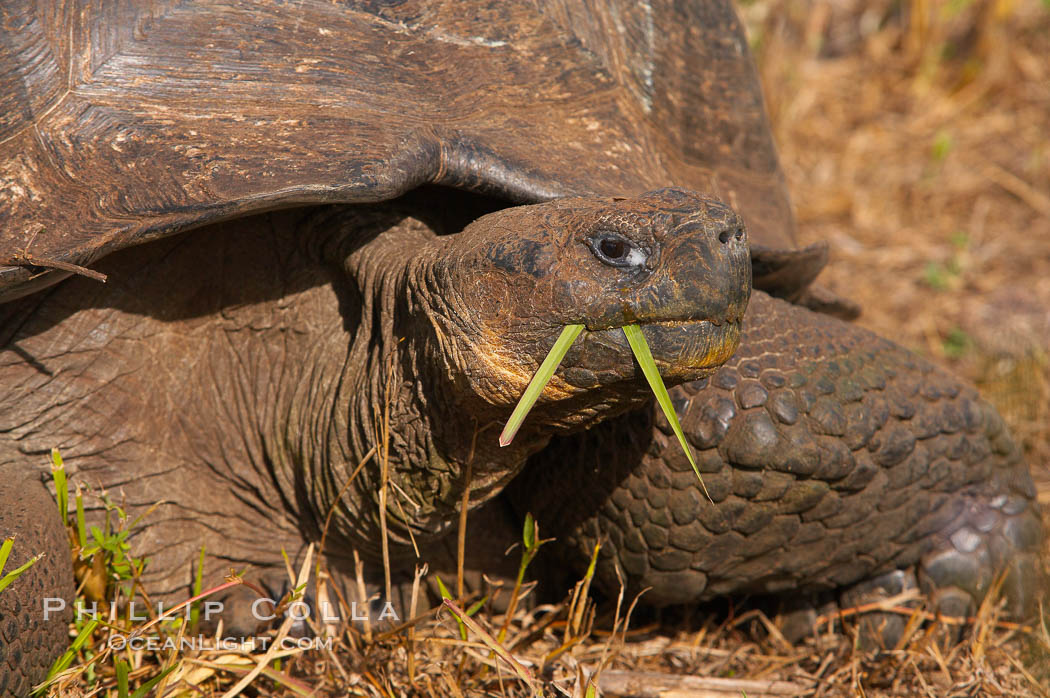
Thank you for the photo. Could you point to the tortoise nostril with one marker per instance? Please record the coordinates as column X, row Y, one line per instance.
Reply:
column 731, row 234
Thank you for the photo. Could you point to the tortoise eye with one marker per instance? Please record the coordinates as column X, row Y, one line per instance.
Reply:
column 617, row 251
column 613, row 249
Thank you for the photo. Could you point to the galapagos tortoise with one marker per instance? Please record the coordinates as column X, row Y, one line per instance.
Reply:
column 476, row 175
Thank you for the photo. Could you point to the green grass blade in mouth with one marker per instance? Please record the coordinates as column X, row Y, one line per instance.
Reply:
column 539, row 382
column 645, row 359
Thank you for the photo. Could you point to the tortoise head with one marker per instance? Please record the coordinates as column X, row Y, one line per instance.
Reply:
column 672, row 261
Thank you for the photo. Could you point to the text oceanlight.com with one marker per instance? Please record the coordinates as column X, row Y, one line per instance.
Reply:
column 153, row 643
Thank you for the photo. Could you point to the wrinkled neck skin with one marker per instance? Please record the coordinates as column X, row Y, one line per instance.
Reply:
column 421, row 361
column 403, row 392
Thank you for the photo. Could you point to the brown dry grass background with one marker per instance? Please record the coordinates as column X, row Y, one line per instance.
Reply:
column 916, row 140
column 915, row 135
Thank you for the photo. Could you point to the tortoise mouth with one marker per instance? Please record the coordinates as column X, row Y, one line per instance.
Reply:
column 662, row 322
column 684, row 350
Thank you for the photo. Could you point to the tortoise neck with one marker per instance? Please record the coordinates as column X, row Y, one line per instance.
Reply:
column 401, row 404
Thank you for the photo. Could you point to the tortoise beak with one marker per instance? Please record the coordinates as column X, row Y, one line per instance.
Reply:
column 683, row 350
column 689, row 350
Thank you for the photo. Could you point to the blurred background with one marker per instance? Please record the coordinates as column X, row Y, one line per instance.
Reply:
column 915, row 135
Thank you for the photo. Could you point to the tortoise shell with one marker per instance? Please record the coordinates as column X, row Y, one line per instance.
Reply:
column 125, row 122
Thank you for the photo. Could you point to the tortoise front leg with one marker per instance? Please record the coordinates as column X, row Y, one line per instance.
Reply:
column 833, row 457
column 28, row 641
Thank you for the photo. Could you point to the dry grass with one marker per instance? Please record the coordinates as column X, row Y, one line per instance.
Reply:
column 563, row 650
column 916, row 139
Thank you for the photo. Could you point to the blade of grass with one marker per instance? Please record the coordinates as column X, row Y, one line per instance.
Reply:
column 145, row 688
column 81, row 524
column 122, row 678
column 523, row 673
column 63, row 662
column 198, row 584
column 448, row 597
column 5, row 550
column 14, row 574
column 539, row 382
column 58, row 472
column 645, row 359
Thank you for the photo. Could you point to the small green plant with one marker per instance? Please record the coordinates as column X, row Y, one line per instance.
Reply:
column 948, row 275
column 85, row 629
column 956, row 344
column 531, row 542
column 198, row 584
column 940, row 277
column 942, row 146
column 104, row 569
column 104, row 558
column 469, row 612
column 105, row 566
column 122, row 669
